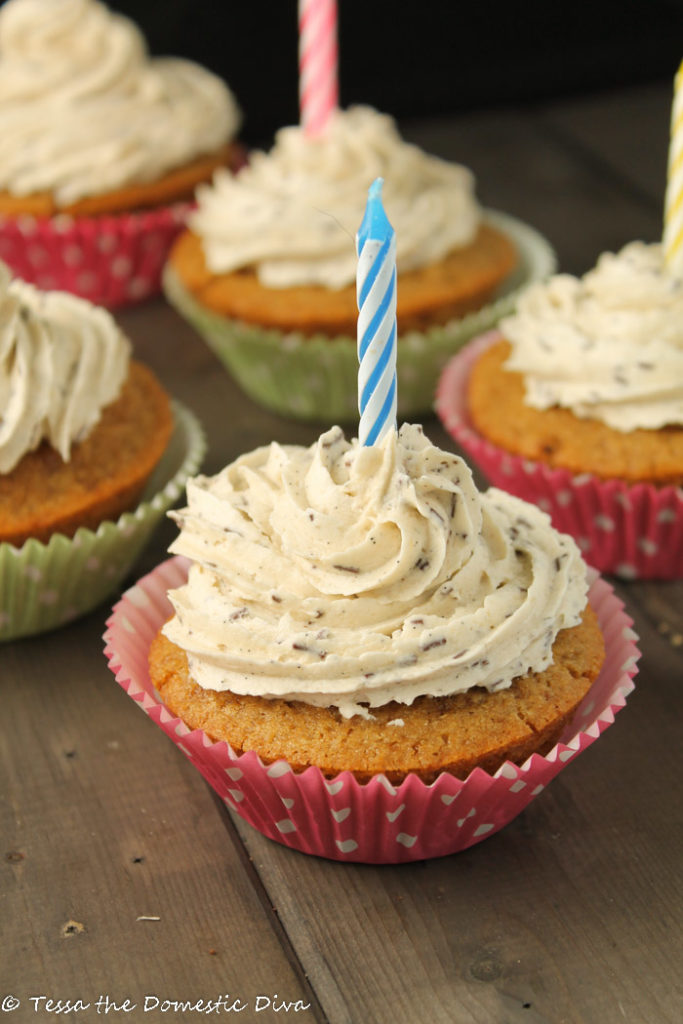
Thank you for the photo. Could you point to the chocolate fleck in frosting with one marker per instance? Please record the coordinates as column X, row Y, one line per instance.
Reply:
column 404, row 582
column 607, row 346
column 293, row 212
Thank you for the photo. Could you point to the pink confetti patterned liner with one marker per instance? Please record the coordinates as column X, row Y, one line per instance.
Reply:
column 634, row 531
column 340, row 818
column 112, row 261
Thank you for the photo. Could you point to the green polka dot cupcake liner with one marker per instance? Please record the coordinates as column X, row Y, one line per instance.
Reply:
column 316, row 378
column 46, row 585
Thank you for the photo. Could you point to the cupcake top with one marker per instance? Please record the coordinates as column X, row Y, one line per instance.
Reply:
column 292, row 213
column 350, row 576
column 62, row 360
column 609, row 345
column 84, row 110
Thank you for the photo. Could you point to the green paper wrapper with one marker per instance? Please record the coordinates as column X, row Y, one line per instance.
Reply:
column 316, row 378
column 43, row 586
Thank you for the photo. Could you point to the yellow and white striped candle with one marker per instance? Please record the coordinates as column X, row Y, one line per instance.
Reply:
column 673, row 199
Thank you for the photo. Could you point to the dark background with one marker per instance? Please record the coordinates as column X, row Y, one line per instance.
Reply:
column 419, row 57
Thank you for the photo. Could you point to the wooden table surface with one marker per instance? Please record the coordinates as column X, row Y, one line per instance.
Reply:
column 570, row 914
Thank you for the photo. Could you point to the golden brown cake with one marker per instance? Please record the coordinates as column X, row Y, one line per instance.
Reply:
column 365, row 608
column 273, row 246
column 174, row 186
column 454, row 734
column 462, row 281
column 559, row 438
column 266, row 267
column 104, row 476
column 82, row 425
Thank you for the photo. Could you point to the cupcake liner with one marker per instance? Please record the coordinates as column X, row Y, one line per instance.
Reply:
column 43, row 586
column 316, row 378
column 340, row 818
column 634, row 531
column 112, row 261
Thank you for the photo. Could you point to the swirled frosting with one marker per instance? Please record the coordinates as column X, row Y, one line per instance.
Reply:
column 293, row 213
column 608, row 345
column 351, row 576
column 84, row 110
column 61, row 361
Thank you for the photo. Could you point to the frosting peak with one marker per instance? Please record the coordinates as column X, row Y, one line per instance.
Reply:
column 351, row 576
column 293, row 213
column 61, row 361
column 84, row 110
column 608, row 345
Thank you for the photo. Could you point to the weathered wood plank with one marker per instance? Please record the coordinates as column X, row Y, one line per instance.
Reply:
column 102, row 823
column 569, row 914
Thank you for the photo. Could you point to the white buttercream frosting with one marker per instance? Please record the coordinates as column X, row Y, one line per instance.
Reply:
column 351, row 576
column 609, row 345
column 84, row 110
column 293, row 213
column 62, row 360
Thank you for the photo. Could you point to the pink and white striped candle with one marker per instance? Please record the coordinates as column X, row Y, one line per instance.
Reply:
column 318, row 58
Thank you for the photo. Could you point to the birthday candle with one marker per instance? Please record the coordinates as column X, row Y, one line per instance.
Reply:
column 673, row 199
column 376, row 295
column 318, row 84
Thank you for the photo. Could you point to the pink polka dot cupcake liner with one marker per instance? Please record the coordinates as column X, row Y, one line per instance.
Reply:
column 634, row 531
column 112, row 261
column 340, row 818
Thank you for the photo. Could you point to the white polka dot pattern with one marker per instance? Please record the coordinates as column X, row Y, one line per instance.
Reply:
column 329, row 817
column 634, row 531
column 112, row 261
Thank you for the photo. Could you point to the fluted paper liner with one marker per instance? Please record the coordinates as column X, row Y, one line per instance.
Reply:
column 316, row 378
column 340, row 818
column 630, row 530
column 112, row 261
column 43, row 586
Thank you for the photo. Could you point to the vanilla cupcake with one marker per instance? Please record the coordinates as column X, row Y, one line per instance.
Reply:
column 102, row 148
column 266, row 270
column 84, row 431
column 577, row 404
column 362, row 639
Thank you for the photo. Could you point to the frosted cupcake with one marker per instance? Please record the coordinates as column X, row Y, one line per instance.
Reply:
column 364, row 639
column 102, row 148
column 266, row 271
column 86, row 434
column 577, row 404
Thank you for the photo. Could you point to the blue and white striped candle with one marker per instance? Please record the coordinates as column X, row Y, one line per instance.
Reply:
column 376, row 295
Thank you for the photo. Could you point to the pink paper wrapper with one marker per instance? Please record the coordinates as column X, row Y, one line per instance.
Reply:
column 340, row 818
column 112, row 261
column 634, row 531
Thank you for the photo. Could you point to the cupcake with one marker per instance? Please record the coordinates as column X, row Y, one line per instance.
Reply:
column 576, row 403
column 102, row 148
column 266, row 269
column 365, row 656
column 85, row 430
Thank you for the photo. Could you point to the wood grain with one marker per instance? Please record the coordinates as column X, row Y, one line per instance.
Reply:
column 570, row 915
